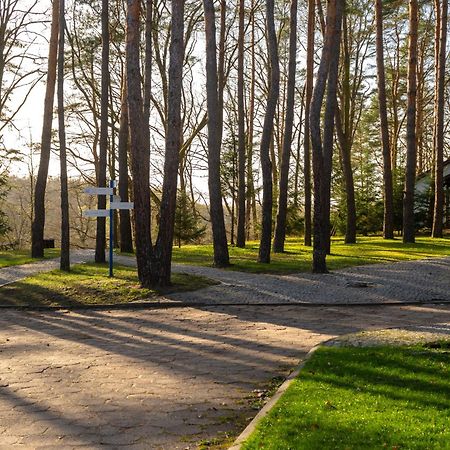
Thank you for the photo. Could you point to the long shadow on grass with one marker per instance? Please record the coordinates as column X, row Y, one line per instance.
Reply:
column 37, row 296
column 387, row 376
column 330, row 435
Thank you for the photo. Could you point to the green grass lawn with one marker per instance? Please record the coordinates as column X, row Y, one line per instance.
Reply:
column 364, row 398
column 17, row 257
column 298, row 258
column 89, row 284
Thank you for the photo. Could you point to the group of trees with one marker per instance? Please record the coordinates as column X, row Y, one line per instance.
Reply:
column 344, row 99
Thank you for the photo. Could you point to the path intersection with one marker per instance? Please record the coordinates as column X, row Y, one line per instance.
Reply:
column 172, row 378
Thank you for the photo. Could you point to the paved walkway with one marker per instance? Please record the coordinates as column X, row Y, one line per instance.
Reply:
column 410, row 281
column 167, row 379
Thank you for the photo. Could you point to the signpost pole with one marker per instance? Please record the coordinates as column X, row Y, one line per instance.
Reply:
column 111, row 230
column 114, row 203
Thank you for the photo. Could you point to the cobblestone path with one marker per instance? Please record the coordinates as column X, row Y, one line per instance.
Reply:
column 409, row 281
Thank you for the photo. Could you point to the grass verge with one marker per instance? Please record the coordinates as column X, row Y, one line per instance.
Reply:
column 18, row 257
column 298, row 258
column 89, row 284
column 371, row 398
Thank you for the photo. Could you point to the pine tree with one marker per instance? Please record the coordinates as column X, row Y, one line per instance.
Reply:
column 188, row 228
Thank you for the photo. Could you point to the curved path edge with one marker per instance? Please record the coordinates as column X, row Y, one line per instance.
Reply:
column 175, row 305
column 251, row 427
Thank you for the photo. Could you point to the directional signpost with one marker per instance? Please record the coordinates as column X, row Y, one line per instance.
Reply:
column 96, row 213
column 99, row 190
column 114, row 203
column 121, row 205
column 112, row 185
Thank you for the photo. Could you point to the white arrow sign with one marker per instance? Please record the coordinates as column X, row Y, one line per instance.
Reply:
column 96, row 213
column 121, row 205
column 99, row 191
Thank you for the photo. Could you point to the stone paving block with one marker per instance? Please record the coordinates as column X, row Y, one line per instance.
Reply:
column 32, row 441
column 33, row 429
column 86, row 441
column 122, row 439
column 52, row 446
column 7, row 441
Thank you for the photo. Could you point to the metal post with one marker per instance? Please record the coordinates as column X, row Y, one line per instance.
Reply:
column 111, row 231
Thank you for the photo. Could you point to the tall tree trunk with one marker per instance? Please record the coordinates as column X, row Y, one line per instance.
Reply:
column 321, row 16
column 148, row 64
column 396, row 123
column 140, row 158
column 411, row 144
column 420, row 104
column 437, row 37
column 274, row 158
column 126, row 238
column 148, row 80
column 300, row 141
column 240, row 239
column 320, row 243
column 100, row 239
column 280, row 227
column 439, row 201
column 329, row 117
column 388, row 223
column 65, row 230
column 221, row 77
column 322, row 151
column 344, row 132
column 251, row 215
column 162, row 257
column 307, row 138
column 267, row 134
column 221, row 257
column 233, row 193
column 37, row 230
column 346, row 163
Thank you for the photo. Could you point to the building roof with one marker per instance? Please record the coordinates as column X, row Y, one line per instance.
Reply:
column 428, row 172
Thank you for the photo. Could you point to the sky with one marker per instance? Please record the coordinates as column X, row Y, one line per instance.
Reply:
column 29, row 119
